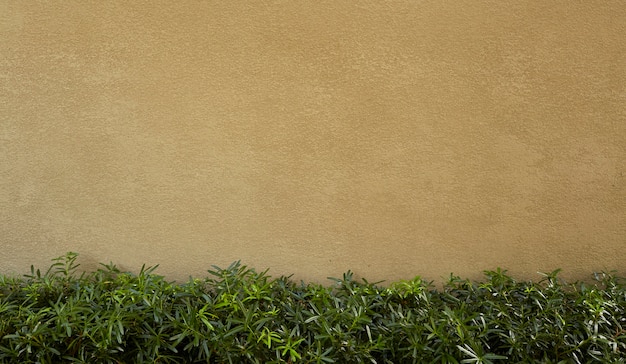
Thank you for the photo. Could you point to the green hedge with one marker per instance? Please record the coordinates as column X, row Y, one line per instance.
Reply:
column 238, row 315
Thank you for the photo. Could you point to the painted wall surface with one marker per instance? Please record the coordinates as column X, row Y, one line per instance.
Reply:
column 392, row 138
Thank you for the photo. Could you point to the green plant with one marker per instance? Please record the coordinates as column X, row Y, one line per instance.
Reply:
column 237, row 315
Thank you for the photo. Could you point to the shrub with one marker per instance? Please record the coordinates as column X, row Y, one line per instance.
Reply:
column 237, row 315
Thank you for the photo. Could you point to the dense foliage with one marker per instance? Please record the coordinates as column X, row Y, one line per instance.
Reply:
column 240, row 316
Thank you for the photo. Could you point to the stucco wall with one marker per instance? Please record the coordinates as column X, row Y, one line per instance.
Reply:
column 311, row 137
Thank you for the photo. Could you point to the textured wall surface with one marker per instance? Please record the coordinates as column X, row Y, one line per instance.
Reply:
column 311, row 137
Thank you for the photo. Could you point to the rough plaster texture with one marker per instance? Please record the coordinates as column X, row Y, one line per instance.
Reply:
column 311, row 137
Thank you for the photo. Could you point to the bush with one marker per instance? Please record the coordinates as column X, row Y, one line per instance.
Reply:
column 237, row 315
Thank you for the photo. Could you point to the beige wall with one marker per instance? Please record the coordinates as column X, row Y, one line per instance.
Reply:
column 311, row 137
